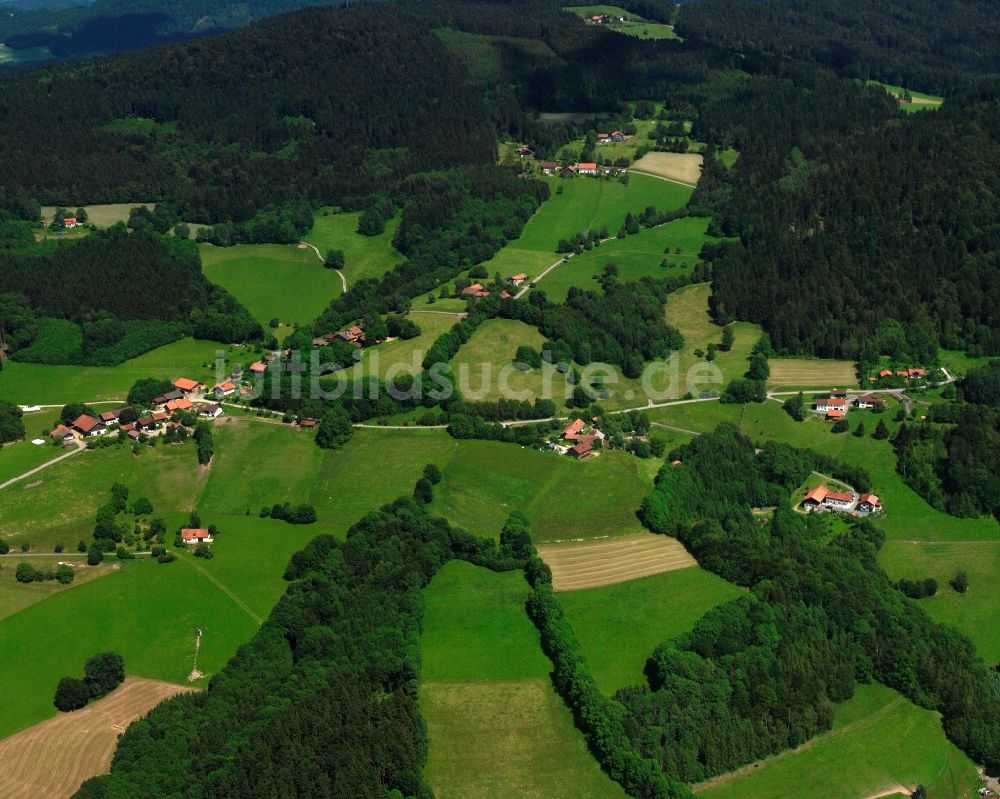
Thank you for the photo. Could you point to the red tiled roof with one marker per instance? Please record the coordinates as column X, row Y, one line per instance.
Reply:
column 109, row 416
column 227, row 386
column 519, row 276
column 159, row 416
column 258, row 367
column 587, row 165
column 61, row 431
column 840, row 495
column 871, row 499
column 505, row 295
column 834, row 414
column 85, row 422
column 836, row 401
column 885, row 373
column 818, row 494
column 185, row 384
column 308, row 423
column 179, row 405
column 581, row 449
column 194, row 533
column 573, row 430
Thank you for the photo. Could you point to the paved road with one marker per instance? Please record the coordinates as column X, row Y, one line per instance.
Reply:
column 343, row 280
column 79, row 447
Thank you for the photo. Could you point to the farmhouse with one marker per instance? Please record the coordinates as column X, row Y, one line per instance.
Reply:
column 814, row 498
column 196, row 535
column 572, row 432
column 549, row 167
column 179, row 405
column 603, row 138
column 71, row 221
column 832, row 404
column 568, row 171
column 61, row 433
column 110, row 418
column 586, row 168
column 885, row 373
column 617, row 136
column 525, row 152
column 188, row 386
column 352, row 335
column 868, row 401
column 87, row 425
column 869, row 503
column 839, row 499
column 224, row 389
column 518, row 279
column 821, row 496
column 135, row 435
column 211, row 411
column 581, row 450
column 258, row 367
column 834, row 414
column 475, row 290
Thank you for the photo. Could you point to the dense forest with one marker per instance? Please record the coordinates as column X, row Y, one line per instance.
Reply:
column 760, row 674
column 921, row 44
column 953, row 458
column 109, row 297
column 863, row 231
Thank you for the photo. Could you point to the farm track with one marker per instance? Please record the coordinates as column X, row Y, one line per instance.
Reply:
column 52, row 758
column 343, row 280
column 592, row 564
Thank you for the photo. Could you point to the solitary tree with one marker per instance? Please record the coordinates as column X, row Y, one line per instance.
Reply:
column 881, row 431
column 841, row 426
column 960, row 582
column 859, row 431
column 334, row 259
column 423, row 491
column 432, row 473
column 334, row 429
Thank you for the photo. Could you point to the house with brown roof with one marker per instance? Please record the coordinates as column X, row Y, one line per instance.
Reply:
column 549, row 167
column 182, row 404
column 831, row 404
column 110, row 418
column 87, row 425
column 518, row 279
column 617, row 136
column 475, row 290
column 586, row 168
column 61, row 433
column 211, row 411
column 352, row 335
column 135, row 435
column 814, row 497
column 581, row 450
column 196, row 535
column 572, row 432
column 869, row 401
column 258, row 368
column 224, row 389
column 869, row 503
column 839, row 500
column 885, row 373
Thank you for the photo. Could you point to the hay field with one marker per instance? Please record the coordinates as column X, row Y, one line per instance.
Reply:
column 682, row 167
column 811, row 373
column 52, row 758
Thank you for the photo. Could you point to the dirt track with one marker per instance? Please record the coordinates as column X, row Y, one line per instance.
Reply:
column 589, row 564
column 53, row 757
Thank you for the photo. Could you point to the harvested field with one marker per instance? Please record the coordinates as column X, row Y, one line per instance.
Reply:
column 52, row 758
column 590, row 564
column 682, row 167
column 811, row 373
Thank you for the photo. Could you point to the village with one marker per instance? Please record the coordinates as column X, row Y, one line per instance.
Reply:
column 822, row 498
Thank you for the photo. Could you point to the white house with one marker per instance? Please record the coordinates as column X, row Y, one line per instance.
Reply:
column 211, row 411
column 832, row 404
column 226, row 389
column 839, row 500
column 196, row 535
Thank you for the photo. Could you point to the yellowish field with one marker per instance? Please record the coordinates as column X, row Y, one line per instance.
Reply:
column 52, row 758
column 811, row 373
column 682, row 167
column 591, row 564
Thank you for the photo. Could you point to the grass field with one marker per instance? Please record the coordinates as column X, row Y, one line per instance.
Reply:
column 921, row 101
column 584, row 203
column 52, row 758
column 497, row 729
column 977, row 612
column 17, row 457
column 879, row 742
column 273, row 281
column 591, row 564
column 636, row 257
column 620, row 625
column 793, row 373
column 15, row 596
column 364, row 256
column 41, row 384
column 633, row 25
column 682, row 167
column 410, row 353
column 565, row 500
column 100, row 215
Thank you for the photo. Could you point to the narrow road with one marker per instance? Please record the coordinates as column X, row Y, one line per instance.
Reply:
column 677, row 429
column 442, row 313
column 79, row 447
column 221, row 586
column 343, row 280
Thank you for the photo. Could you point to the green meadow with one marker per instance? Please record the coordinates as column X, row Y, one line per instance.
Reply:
column 921, row 101
column 273, row 281
column 581, row 203
column 43, row 384
column 15, row 596
column 636, row 257
column 633, row 25
column 18, row 457
column 497, row 729
column 364, row 256
column 879, row 741
column 620, row 625
column 402, row 353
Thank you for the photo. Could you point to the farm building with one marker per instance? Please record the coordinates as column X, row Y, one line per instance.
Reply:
column 352, row 335
column 868, row 401
column 869, row 503
column 196, row 535
column 212, row 411
column 587, row 168
column 518, row 279
column 581, row 450
column 181, row 404
column 258, row 368
column 87, row 425
column 475, row 290
column 549, row 167
column 61, row 433
column 841, row 500
column 572, row 432
column 110, row 418
column 224, row 389
column 188, row 386
column 821, row 496
column 831, row 404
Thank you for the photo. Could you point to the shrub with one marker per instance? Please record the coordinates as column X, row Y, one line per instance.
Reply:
column 960, row 582
column 94, row 556
column 65, row 574
column 432, row 473
column 4, row 547
column 103, row 673
column 26, row 573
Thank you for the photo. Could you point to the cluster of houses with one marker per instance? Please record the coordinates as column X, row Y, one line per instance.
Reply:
column 478, row 290
column 162, row 409
column 604, row 19
column 913, row 373
column 578, row 439
column 353, row 335
column 822, row 498
column 837, row 404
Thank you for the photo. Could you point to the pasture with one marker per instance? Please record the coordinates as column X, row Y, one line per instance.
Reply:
column 620, row 625
column 17, row 457
column 496, row 727
column 53, row 757
column 636, row 257
column 681, row 167
column 273, row 281
column 581, row 203
column 880, row 742
column 41, row 384
column 364, row 256
column 15, row 596
column 633, row 25
column 920, row 101
column 404, row 356
column 794, row 373
column 593, row 564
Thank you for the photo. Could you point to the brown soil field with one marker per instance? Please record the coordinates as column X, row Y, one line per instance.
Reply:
column 811, row 373
column 682, row 167
column 590, row 564
column 53, row 757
